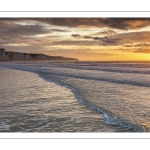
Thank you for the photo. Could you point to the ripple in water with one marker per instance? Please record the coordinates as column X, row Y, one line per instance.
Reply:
column 30, row 104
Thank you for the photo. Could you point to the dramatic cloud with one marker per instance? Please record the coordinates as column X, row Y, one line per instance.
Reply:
column 129, row 45
column 117, row 23
column 137, row 45
column 23, row 30
column 107, row 32
column 105, row 40
column 87, row 37
column 141, row 50
column 59, row 30
column 75, row 35
column 110, row 41
column 142, row 45
column 100, row 37
column 77, row 43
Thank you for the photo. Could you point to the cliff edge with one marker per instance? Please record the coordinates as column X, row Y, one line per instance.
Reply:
column 17, row 56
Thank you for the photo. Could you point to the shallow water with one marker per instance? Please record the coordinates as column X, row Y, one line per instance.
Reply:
column 28, row 103
column 119, row 90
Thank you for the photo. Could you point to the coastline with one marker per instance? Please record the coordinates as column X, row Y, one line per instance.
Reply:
column 81, row 116
column 96, row 108
column 19, row 56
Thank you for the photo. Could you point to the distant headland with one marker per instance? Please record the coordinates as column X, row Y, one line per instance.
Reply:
column 18, row 56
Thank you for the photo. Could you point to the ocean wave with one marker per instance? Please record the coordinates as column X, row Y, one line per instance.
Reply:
column 111, row 118
column 136, row 78
column 96, row 75
column 135, row 70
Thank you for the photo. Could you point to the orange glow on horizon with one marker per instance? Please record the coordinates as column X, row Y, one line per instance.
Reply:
column 87, row 39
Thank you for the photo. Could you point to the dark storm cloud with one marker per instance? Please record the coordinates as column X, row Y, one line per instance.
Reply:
column 15, row 33
column 23, row 30
column 137, row 45
column 104, row 40
column 128, row 45
column 117, row 23
column 98, row 38
column 75, row 35
column 110, row 41
column 12, row 33
column 87, row 37
column 126, row 23
column 142, row 47
column 124, row 39
column 108, row 32
column 132, row 39
column 59, row 30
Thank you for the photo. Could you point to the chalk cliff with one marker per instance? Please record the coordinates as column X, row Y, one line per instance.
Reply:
column 10, row 56
column 2, row 54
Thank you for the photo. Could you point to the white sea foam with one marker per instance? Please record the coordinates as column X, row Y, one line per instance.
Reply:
column 30, row 104
column 119, row 91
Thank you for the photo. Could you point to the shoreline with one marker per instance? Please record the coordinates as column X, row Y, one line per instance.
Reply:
column 39, row 61
column 78, row 125
column 81, row 89
column 77, row 61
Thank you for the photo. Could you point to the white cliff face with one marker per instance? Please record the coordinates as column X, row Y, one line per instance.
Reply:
column 2, row 54
column 17, row 56
column 27, row 57
column 41, row 57
column 10, row 56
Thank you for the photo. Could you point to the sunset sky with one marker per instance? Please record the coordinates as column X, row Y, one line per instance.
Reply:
column 88, row 39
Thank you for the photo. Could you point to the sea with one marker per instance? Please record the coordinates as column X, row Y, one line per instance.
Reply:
column 74, row 96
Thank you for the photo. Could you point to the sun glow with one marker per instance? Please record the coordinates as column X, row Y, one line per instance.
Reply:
column 100, row 39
